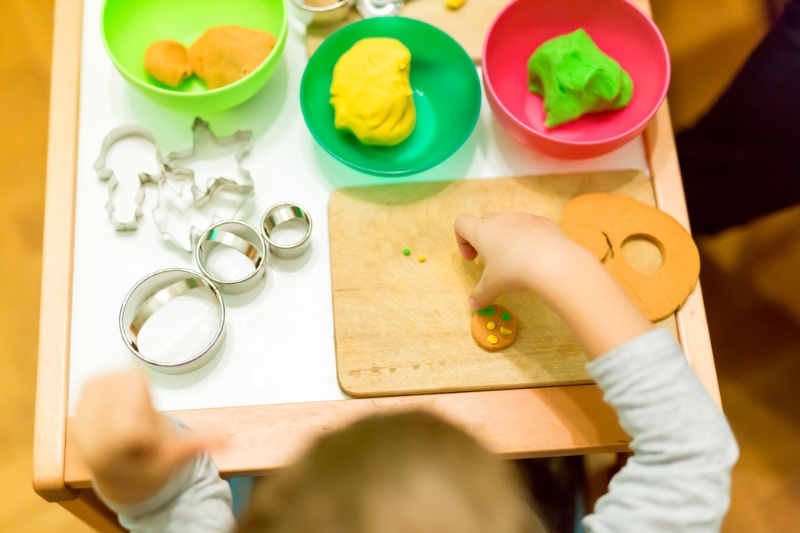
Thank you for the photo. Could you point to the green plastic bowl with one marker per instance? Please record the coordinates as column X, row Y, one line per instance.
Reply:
column 128, row 27
column 447, row 96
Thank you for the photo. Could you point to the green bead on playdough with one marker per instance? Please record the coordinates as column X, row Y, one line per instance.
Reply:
column 506, row 316
column 575, row 77
column 488, row 311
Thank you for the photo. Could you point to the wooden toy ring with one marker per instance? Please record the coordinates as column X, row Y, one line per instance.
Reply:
column 603, row 222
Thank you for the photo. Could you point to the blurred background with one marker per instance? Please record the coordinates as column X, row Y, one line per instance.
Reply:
column 749, row 278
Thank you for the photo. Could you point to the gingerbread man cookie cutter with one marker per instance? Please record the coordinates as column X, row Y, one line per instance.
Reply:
column 240, row 189
column 108, row 175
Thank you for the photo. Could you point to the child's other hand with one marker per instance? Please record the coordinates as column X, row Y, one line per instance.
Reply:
column 521, row 251
column 131, row 448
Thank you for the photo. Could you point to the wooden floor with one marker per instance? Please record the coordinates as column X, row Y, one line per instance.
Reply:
column 25, row 49
column 749, row 276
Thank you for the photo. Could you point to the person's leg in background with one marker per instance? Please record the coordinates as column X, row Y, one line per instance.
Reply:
column 558, row 487
column 742, row 159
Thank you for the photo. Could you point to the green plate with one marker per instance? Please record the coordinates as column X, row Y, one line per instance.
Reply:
column 447, row 96
column 128, row 27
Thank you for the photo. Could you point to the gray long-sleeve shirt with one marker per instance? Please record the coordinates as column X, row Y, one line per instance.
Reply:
column 677, row 480
column 683, row 449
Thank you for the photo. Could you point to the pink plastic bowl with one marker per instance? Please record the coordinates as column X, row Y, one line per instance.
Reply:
column 619, row 28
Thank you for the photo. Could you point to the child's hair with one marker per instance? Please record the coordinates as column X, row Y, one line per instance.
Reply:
column 409, row 472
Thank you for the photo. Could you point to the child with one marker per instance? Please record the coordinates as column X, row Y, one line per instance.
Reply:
column 411, row 472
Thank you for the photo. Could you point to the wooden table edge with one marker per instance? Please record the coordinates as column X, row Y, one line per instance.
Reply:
column 263, row 438
column 668, row 186
column 512, row 423
column 662, row 156
column 52, row 381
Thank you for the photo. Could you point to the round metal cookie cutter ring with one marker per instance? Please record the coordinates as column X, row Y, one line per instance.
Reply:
column 280, row 214
column 244, row 239
column 379, row 8
column 322, row 15
column 153, row 292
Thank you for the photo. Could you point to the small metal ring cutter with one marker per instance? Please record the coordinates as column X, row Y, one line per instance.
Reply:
column 280, row 214
column 379, row 8
column 153, row 292
column 244, row 239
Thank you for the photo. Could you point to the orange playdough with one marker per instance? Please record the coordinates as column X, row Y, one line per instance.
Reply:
column 168, row 62
column 601, row 222
column 493, row 328
column 225, row 54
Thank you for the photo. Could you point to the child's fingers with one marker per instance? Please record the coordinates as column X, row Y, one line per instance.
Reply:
column 468, row 251
column 465, row 227
column 483, row 294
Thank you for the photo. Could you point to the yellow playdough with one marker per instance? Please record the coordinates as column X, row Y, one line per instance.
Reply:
column 371, row 94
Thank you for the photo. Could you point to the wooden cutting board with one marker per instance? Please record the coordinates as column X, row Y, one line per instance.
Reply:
column 403, row 326
column 467, row 25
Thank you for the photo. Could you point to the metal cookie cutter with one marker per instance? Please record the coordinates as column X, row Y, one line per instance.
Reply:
column 177, row 216
column 379, row 8
column 244, row 239
column 280, row 214
column 313, row 13
column 201, row 132
column 152, row 293
column 211, row 195
column 106, row 174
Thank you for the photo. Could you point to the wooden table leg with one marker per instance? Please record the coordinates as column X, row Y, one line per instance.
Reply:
column 88, row 507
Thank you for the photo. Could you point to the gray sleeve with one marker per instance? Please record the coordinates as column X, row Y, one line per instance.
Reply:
column 195, row 500
column 679, row 476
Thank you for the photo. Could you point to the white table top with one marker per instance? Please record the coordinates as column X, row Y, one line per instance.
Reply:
column 269, row 355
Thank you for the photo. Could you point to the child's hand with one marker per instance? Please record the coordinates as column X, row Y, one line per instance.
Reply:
column 521, row 251
column 131, row 448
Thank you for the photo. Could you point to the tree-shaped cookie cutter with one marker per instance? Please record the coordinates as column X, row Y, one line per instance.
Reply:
column 200, row 128
column 106, row 174
column 177, row 176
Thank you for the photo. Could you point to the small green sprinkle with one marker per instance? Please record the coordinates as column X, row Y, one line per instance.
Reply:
column 406, row 251
column 488, row 311
column 506, row 316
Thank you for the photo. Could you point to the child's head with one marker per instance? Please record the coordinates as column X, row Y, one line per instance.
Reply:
column 405, row 473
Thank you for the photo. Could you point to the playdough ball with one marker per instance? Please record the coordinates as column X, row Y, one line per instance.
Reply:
column 168, row 62
column 225, row 54
column 494, row 328
column 575, row 77
column 371, row 94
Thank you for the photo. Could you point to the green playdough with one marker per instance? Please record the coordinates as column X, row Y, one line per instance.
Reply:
column 575, row 77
